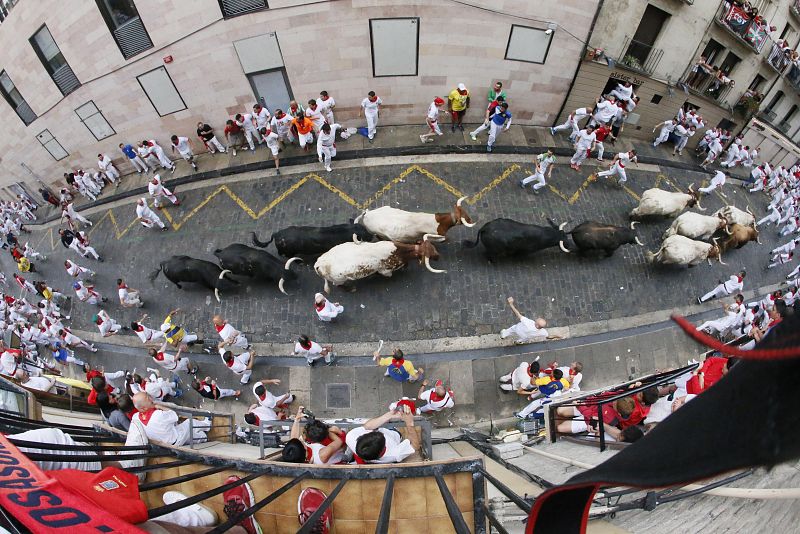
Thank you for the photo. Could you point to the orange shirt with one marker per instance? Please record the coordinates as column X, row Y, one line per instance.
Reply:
column 303, row 125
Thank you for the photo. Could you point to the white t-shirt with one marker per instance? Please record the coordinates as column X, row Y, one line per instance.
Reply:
column 520, row 377
column 183, row 145
column 166, row 360
column 316, row 116
column 315, row 348
column 273, row 143
column 281, row 125
column 336, row 457
column 247, row 122
column 433, row 112
column 605, row 111
column 8, row 362
column 526, row 329
column 226, row 332
column 39, row 383
column 262, row 118
column 161, row 426
column 268, row 400
column 264, row 414
column 240, row 361
column 370, row 107
column 397, row 448
column 146, row 334
column 585, row 139
column 327, row 140
column 325, row 106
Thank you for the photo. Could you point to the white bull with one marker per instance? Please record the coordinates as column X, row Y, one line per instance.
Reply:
column 353, row 261
column 657, row 202
column 680, row 250
column 408, row 226
column 696, row 226
column 734, row 215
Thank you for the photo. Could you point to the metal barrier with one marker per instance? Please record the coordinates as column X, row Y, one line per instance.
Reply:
column 608, row 396
column 191, row 413
column 639, row 56
column 419, row 422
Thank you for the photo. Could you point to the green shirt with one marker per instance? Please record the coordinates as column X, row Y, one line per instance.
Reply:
column 493, row 95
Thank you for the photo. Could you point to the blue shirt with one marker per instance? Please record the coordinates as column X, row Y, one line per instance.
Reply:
column 500, row 117
column 129, row 151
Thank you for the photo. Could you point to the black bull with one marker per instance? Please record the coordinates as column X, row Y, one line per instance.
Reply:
column 179, row 269
column 506, row 237
column 259, row 264
column 313, row 240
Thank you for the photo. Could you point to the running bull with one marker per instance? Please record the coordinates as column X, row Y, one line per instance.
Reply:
column 260, row 264
column 393, row 224
column 697, row 226
column 507, row 237
column 353, row 261
column 657, row 202
column 591, row 236
column 680, row 250
column 739, row 236
column 734, row 215
column 180, row 269
column 310, row 241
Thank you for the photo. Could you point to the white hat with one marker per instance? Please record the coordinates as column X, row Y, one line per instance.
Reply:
column 462, row 87
column 319, row 297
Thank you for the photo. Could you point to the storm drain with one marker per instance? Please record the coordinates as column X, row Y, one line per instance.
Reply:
column 338, row 395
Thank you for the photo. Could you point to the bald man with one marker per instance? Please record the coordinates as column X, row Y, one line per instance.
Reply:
column 162, row 424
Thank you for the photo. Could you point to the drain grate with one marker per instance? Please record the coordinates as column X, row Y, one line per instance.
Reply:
column 338, row 395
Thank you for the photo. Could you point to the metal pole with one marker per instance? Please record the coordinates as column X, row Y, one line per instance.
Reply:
column 382, row 527
column 191, row 431
column 479, row 502
column 600, row 427
column 232, row 432
column 453, row 510
column 261, row 439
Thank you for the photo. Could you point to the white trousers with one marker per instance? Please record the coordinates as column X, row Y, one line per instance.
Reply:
column 372, row 124
column 615, row 169
column 152, row 220
column 569, row 124
column 663, row 135
column 793, row 274
column 246, row 375
column 327, row 154
column 138, row 164
column 708, row 189
column 249, row 134
column 310, row 358
column 579, row 156
column 717, row 292
column 480, row 128
column 428, row 408
column 152, row 162
column 539, row 177
column 164, row 159
column 759, row 186
column 112, row 173
column 132, row 299
column 305, row 139
column 213, row 143
column 80, row 218
column 158, row 199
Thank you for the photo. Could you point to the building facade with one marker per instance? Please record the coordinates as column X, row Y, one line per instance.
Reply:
column 83, row 76
column 656, row 44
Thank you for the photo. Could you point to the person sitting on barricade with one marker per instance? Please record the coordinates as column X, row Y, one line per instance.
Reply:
column 373, row 444
column 317, row 443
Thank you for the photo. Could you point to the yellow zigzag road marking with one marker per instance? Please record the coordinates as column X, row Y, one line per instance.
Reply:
column 494, row 183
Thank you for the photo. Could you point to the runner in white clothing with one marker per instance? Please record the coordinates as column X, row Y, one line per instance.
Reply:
column 68, row 211
column 717, row 181
column 326, row 144
column 584, row 143
column 326, row 310
column 230, row 336
column 544, row 164
column 172, row 362
column 314, row 113
column 145, row 333
column 147, row 217
column 526, row 329
column 158, row 192
column 432, row 120
column 76, row 271
column 107, row 167
column 732, row 285
column 248, row 124
column 313, row 351
column 155, row 149
column 572, row 122
column 240, row 364
column 618, row 166
column 282, row 125
column 274, row 144
column 184, row 146
column 371, row 108
column 128, row 296
column 667, row 127
column 262, row 116
column 326, row 105
column 438, row 397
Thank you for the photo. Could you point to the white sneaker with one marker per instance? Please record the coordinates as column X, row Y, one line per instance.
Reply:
column 234, row 151
column 473, row 137
column 328, row 169
column 195, row 515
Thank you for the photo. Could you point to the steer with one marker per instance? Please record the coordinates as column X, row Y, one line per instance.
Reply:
column 353, row 261
column 739, row 236
column 591, row 236
column 310, row 241
column 659, row 203
column 506, row 237
column 734, row 215
column 697, row 226
column 680, row 250
column 393, row 224
column 247, row 261
column 179, row 269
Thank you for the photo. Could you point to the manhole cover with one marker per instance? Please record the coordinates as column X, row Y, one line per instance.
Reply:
column 338, row 395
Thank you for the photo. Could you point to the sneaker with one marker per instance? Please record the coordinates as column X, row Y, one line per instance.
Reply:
column 333, row 359
column 310, row 363
column 164, row 229
column 201, row 516
column 236, row 501
column 473, row 137
column 328, row 169
column 699, row 301
column 234, row 152
column 309, row 501
column 172, row 170
column 423, row 138
column 488, row 148
column 552, row 131
column 277, row 171
column 521, row 184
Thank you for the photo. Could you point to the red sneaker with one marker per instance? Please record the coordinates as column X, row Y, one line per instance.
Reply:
column 237, row 500
column 307, row 504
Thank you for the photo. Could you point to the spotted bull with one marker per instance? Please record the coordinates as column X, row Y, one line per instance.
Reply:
column 408, row 227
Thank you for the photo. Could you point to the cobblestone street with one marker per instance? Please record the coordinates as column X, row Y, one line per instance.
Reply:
column 414, row 304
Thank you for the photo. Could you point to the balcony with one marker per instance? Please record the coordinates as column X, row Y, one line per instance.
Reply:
column 777, row 59
column 707, row 86
column 794, row 9
column 639, row 57
column 768, row 116
column 132, row 37
column 753, row 33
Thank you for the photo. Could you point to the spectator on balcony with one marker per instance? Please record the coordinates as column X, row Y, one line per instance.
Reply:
column 720, row 82
column 373, row 444
column 780, row 54
column 700, row 72
column 317, row 443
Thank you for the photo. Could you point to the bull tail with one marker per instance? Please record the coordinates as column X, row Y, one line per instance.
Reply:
column 466, row 243
column 261, row 244
column 152, row 276
column 669, row 232
column 651, row 257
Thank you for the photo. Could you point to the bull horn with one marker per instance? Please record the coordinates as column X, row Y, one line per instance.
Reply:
column 691, row 187
column 701, row 208
column 431, row 269
column 719, row 258
column 636, row 238
column 748, row 211
column 726, row 230
column 356, row 240
column 459, row 201
column 562, row 247
column 358, row 219
column 290, row 261
column 465, row 223
column 561, row 226
column 433, row 237
column 221, row 276
column 280, row 286
column 634, row 223
column 758, row 240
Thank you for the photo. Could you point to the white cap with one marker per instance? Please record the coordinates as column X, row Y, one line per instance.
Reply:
column 462, row 87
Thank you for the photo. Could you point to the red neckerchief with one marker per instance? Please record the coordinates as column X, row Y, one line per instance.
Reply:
column 159, row 356
column 306, row 347
column 739, row 278
column 122, row 286
column 309, row 455
column 320, row 306
column 139, row 327
column 262, row 397
column 360, row 460
column 230, row 363
column 398, row 362
column 373, row 99
column 144, row 417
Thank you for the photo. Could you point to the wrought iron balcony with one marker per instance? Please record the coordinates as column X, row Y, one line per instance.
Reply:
column 746, row 30
column 768, row 116
column 639, row 57
column 794, row 9
column 706, row 85
column 132, row 37
column 777, row 59
column 234, row 8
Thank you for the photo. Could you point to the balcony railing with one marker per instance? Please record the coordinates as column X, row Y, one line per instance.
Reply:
column 65, row 79
column 777, row 59
column 639, row 56
column 784, row 127
column 132, row 37
column 768, row 116
column 706, row 85
column 25, row 113
column 234, row 8
column 748, row 31
column 794, row 9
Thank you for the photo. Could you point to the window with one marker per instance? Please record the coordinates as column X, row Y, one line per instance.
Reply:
column 123, row 21
column 158, row 87
column 786, row 31
column 234, row 8
column 641, row 46
column 52, row 145
column 726, row 124
column 775, row 101
column 711, row 52
column 731, row 60
column 53, row 60
column 528, row 44
column 15, row 100
column 656, row 99
column 756, row 83
column 93, row 119
column 395, row 46
column 790, row 115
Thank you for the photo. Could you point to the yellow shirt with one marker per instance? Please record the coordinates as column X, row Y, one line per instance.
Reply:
column 24, row 265
column 407, row 365
column 458, row 102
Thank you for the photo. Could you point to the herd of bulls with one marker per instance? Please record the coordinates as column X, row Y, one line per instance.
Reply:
column 386, row 239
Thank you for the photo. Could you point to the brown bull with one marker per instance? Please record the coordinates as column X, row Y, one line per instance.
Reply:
column 739, row 236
